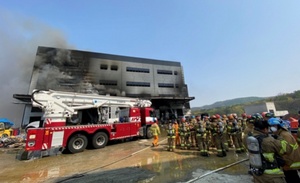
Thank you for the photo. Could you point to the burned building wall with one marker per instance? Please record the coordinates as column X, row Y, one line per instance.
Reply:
column 88, row 72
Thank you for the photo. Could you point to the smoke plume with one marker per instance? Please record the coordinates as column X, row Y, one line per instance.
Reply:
column 19, row 38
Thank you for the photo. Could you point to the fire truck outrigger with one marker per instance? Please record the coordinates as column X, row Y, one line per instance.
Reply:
column 72, row 121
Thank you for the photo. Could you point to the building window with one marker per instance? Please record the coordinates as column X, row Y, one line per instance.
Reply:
column 114, row 67
column 167, row 72
column 175, row 73
column 103, row 67
column 176, row 86
column 138, row 84
column 138, row 95
column 71, row 64
column 166, row 85
column 135, row 69
column 108, row 82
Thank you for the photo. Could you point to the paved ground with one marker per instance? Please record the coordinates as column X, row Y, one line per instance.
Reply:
column 130, row 162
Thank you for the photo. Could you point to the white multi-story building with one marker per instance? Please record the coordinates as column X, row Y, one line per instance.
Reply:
column 160, row 81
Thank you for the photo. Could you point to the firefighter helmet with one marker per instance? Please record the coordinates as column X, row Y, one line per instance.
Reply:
column 257, row 116
column 218, row 116
column 259, row 122
column 230, row 116
column 234, row 115
column 244, row 115
column 269, row 115
column 274, row 121
column 213, row 117
column 278, row 122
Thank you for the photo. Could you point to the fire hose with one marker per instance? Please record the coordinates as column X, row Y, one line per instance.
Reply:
column 217, row 170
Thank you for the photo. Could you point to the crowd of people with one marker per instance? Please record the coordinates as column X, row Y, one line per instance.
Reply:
column 274, row 153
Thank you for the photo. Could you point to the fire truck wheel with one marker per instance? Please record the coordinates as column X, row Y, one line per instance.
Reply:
column 100, row 140
column 77, row 143
column 149, row 133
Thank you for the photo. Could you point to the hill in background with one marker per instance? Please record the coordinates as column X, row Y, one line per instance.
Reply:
column 287, row 101
column 230, row 102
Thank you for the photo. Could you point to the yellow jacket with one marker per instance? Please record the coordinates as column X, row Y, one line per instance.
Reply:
column 155, row 129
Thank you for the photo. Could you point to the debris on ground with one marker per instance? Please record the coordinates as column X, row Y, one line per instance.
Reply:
column 12, row 141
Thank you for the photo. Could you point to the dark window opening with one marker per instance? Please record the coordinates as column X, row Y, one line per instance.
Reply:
column 175, row 73
column 166, row 85
column 71, row 64
column 138, row 95
column 103, row 67
column 134, row 69
column 108, row 82
column 114, row 67
column 167, row 72
column 138, row 84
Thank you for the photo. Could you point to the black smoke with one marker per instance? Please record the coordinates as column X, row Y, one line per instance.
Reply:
column 20, row 37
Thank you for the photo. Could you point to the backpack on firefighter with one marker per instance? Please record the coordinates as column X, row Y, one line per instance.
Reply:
column 258, row 163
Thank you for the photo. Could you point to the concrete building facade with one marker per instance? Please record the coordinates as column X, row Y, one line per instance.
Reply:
column 160, row 81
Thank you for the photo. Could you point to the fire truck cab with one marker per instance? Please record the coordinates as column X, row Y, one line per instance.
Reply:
column 73, row 121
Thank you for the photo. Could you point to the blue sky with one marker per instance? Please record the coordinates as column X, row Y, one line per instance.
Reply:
column 228, row 49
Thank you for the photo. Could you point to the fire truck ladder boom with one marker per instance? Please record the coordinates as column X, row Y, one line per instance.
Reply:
column 57, row 101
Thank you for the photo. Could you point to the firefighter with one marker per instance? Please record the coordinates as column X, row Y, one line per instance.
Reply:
column 171, row 136
column 185, row 135
column 228, row 133
column 193, row 123
column 292, row 160
column 217, row 135
column 225, row 136
column 265, row 153
column 233, row 130
column 208, row 138
column 155, row 132
column 177, row 138
column 182, row 133
column 239, row 133
column 201, row 137
column 243, row 121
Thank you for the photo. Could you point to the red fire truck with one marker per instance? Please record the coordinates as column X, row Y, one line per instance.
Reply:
column 72, row 121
